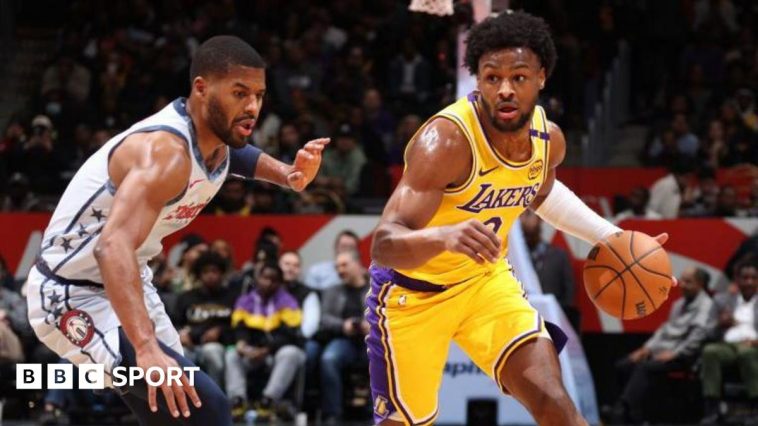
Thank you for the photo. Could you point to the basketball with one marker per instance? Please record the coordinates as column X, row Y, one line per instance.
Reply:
column 628, row 275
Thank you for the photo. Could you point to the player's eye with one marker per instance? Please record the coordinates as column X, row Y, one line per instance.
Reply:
column 492, row 78
column 519, row 78
column 239, row 94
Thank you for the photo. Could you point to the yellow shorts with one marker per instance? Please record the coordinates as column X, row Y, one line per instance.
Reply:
column 411, row 330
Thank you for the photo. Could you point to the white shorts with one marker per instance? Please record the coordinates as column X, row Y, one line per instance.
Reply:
column 79, row 323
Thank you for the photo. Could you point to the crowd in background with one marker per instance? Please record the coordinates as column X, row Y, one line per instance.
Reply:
column 276, row 338
column 369, row 74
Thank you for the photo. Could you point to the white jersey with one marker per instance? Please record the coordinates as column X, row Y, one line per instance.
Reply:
column 73, row 232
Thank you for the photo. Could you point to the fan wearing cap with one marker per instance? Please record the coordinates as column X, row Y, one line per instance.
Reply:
column 342, row 165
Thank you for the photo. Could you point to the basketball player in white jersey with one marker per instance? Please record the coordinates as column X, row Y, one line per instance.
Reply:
column 90, row 295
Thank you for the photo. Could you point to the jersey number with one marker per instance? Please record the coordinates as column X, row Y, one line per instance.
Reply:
column 495, row 222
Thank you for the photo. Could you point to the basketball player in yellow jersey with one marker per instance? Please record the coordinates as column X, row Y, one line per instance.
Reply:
column 439, row 271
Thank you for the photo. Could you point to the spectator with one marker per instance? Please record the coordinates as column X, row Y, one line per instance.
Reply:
column 324, row 274
column 738, row 341
column 6, row 276
column 686, row 141
column 226, row 251
column 377, row 117
column 746, row 108
column 14, row 326
column 183, row 278
column 342, row 164
column 662, row 151
column 638, row 206
column 19, row 197
column 714, row 149
column 726, row 203
column 290, row 263
column 342, row 331
column 289, row 142
column 232, row 199
column 747, row 249
column 69, row 78
column 700, row 200
column 666, row 192
column 307, row 298
column 15, row 135
column 163, row 275
column 552, row 266
column 264, row 199
column 674, row 346
column 203, row 316
column 39, row 158
column 409, row 81
column 266, row 322
column 742, row 150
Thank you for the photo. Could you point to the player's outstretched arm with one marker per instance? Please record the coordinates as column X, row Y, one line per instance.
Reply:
column 560, row 207
column 438, row 157
column 251, row 162
column 148, row 170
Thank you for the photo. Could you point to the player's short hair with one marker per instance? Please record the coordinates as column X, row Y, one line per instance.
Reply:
column 218, row 54
column 510, row 30
column 209, row 258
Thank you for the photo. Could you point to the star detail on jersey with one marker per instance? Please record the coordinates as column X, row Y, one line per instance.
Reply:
column 57, row 312
column 66, row 244
column 54, row 298
column 98, row 214
column 82, row 232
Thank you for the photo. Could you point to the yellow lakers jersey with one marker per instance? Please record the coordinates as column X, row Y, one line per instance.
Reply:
column 496, row 192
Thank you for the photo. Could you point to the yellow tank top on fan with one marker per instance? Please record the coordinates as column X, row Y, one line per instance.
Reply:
column 496, row 192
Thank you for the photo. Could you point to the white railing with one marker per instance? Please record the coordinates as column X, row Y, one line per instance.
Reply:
column 610, row 110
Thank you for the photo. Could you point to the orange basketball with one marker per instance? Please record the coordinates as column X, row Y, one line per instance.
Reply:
column 628, row 275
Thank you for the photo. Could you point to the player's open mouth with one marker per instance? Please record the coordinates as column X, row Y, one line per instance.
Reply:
column 245, row 127
column 507, row 112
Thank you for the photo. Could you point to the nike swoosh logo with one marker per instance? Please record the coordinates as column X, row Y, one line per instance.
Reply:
column 483, row 172
column 193, row 183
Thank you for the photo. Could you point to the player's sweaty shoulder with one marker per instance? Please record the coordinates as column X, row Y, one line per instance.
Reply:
column 157, row 152
column 439, row 155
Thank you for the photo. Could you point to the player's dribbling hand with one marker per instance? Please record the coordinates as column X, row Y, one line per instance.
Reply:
column 474, row 239
column 661, row 239
column 151, row 355
column 307, row 162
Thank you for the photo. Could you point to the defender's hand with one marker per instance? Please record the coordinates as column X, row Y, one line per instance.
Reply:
column 474, row 239
column 307, row 162
column 176, row 395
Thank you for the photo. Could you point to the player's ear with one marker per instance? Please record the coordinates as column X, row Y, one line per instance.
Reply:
column 541, row 78
column 200, row 86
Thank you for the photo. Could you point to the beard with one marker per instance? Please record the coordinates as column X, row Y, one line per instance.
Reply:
column 503, row 126
column 219, row 124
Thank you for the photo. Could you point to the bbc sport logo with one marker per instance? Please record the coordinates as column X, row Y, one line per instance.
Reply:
column 92, row 376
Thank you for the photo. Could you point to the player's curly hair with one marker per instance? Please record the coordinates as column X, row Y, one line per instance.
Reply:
column 509, row 30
